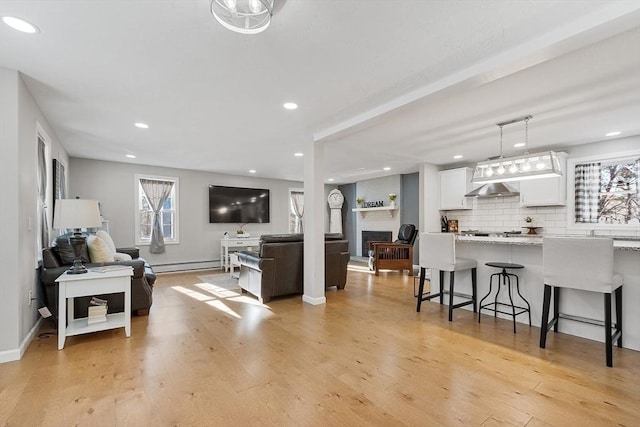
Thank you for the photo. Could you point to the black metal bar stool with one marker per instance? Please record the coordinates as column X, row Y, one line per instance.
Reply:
column 504, row 278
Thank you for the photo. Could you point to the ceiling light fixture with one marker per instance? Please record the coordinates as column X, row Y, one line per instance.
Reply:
column 131, row 156
column 330, row 179
column 298, row 154
column 20, row 25
column 519, row 144
column 457, row 156
column 243, row 16
column 386, row 168
column 616, row 133
column 252, row 171
column 527, row 166
column 290, row 105
column 141, row 125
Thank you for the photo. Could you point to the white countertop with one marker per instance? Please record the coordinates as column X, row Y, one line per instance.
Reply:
column 524, row 240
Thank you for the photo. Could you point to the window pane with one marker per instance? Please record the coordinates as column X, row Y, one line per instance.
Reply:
column 168, row 204
column 619, row 197
column 146, row 218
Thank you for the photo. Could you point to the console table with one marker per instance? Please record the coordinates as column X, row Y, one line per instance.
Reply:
column 87, row 284
column 234, row 244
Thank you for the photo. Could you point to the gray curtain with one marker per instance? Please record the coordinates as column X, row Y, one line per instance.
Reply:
column 297, row 206
column 157, row 193
column 42, row 193
column 587, row 192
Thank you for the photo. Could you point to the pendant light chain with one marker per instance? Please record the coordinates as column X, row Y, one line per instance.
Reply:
column 526, row 135
column 500, row 141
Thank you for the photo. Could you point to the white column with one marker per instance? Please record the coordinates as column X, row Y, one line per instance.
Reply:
column 314, row 208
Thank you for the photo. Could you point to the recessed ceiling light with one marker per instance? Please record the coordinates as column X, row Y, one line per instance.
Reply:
column 290, row 105
column 252, row 171
column 131, row 156
column 141, row 125
column 457, row 156
column 20, row 24
column 616, row 133
column 330, row 179
column 298, row 154
column 387, row 168
column 519, row 144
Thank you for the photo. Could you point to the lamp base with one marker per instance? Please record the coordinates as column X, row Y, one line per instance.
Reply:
column 76, row 241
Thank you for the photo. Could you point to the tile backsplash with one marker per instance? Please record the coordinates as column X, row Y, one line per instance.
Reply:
column 506, row 214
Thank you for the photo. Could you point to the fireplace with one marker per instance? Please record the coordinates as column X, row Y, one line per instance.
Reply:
column 374, row 236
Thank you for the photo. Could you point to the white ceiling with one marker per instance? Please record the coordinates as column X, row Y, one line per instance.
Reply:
column 380, row 83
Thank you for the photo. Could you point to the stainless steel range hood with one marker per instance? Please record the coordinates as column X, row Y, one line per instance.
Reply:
column 494, row 189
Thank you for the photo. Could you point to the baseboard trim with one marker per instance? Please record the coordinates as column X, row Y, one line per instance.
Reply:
column 16, row 354
column 314, row 300
column 185, row 266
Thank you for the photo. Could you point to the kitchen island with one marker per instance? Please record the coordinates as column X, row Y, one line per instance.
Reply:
column 527, row 250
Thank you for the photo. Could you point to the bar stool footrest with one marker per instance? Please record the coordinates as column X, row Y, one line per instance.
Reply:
column 495, row 309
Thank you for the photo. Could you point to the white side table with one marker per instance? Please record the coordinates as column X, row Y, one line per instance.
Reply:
column 92, row 283
column 228, row 245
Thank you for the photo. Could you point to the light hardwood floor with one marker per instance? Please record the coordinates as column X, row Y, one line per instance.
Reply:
column 216, row 358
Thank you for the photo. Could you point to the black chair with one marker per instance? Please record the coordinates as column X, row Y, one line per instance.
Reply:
column 397, row 255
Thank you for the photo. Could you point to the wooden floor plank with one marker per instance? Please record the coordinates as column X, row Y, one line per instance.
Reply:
column 206, row 356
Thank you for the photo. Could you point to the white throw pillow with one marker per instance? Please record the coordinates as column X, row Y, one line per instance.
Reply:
column 107, row 239
column 99, row 250
column 121, row 257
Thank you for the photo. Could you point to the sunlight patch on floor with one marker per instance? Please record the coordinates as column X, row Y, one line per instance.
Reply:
column 220, row 306
column 218, row 290
column 215, row 299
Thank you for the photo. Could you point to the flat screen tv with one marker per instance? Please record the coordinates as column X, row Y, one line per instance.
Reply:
column 238, row 205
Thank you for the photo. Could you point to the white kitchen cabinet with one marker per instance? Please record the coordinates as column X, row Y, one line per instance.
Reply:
column 454, row 184
column 546, row 191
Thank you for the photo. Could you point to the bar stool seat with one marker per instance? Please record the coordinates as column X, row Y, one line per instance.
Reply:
column 504, row 279
column 584, row 264
column 438, row 252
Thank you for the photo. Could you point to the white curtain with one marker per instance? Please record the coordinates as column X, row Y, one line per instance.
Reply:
column 297, row 207
column 157, row 193
column 42, row 193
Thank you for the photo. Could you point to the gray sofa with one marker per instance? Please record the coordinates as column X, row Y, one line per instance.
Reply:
column 276, row 269
column 58, row 258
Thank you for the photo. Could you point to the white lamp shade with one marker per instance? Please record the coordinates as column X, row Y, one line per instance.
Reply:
column 76, row 213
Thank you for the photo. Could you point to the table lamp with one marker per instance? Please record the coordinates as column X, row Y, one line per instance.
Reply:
column 76, row 214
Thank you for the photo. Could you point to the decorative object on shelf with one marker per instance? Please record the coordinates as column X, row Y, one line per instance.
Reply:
column 359, row 201
column 376, row 204
column 243, row 16
column 528, row 166
column 392, row 199
column 452, row 225
column 529, row 220
column 76, row 214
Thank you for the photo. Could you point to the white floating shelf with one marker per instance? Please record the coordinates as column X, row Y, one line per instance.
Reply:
column 363, row 211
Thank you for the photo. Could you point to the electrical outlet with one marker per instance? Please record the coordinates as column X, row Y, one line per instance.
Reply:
column 30, row 297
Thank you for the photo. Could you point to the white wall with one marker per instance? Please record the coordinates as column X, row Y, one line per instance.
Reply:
column 19, row 113
column 113, row 184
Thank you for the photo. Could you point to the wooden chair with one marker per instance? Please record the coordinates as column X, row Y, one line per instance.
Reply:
column 397, row 255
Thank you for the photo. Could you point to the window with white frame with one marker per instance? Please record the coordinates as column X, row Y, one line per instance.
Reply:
column 168, row 214
column 607, row 191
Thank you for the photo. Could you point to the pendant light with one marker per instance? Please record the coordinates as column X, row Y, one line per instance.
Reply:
column 528, row 166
